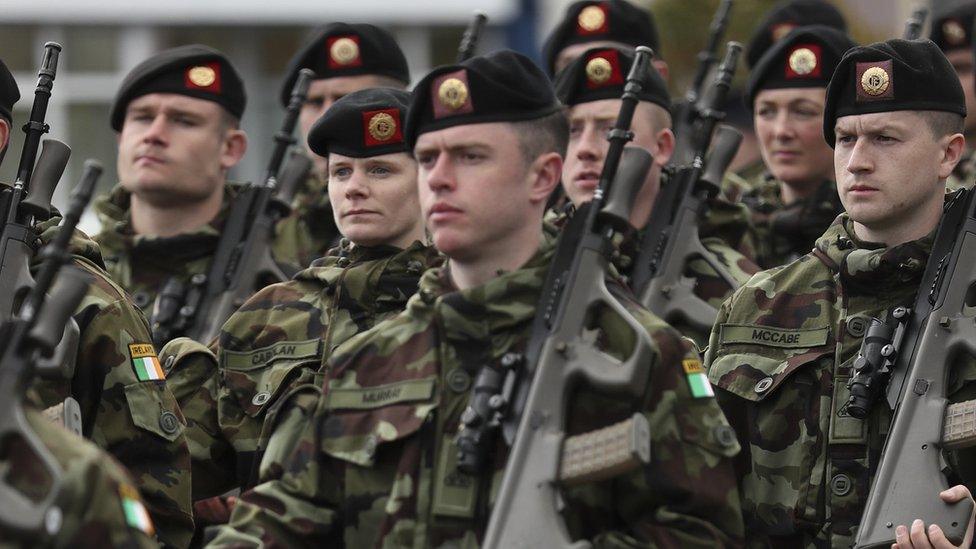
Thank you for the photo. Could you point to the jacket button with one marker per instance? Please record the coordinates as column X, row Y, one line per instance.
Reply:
column 764, row 385
column 261, row 398
column 458, row 380
column 840, row 485
column 168, row 364
column 169, row 423
column 857, row 325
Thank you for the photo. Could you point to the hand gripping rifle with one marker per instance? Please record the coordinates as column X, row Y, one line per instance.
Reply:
column 242, row 262
column 25, row 339
column 671, row 239
column 469, row 40
column 688, row 113
column 908, row 358
column 913, row 27
column 526, row 397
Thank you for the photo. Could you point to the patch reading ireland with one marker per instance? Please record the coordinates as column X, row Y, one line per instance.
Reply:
column 697, row 380
column 145, row 363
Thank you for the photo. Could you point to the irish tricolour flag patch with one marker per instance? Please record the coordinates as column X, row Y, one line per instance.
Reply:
column 697, row 380
column 136, row 515
column 145, row 363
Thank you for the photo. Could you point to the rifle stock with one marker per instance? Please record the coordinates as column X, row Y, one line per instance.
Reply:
column 471, row 36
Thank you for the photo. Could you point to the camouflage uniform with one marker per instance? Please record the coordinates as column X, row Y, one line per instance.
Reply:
column 309, row 231
column 371, row 464
column 964, row 174
column 281, row 335
column 136, row 421
column 93, row 492
column 780, row 356
column 779, row 233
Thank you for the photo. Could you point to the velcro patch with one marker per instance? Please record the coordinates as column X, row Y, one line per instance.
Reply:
column 773, row 337
column 144, row 362
column 259, row 358
column 368, row 398
column 697, row 380
column 135, row 512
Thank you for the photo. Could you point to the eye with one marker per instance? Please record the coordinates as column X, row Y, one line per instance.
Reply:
column 575, row 130
column 314, row 102
column 380, row 171
column 765, row 112
column 426, row 160
column 844, row 139
column 882, row 138
column 341, row 173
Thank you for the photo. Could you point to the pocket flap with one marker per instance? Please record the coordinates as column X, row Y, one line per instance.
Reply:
column 257, row 378
column 154, row 409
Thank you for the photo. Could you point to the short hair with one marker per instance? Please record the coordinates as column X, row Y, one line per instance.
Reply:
column 660, row 117
column 228, row 121
column 383, row 81
column 543, row 135
column 943, row 123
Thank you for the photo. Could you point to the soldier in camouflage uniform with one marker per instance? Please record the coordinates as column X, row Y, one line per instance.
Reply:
column 591, row 86
column 372, row 462
column 781, row 351
column 98, row 503
column 345, row 58
column 796, row 200
column 177, row 115
column 952, row 31
column 284, row 333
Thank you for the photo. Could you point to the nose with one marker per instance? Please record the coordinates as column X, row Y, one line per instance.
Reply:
column 441, row 176
column 782, row 126
column 357, row 186
column 591, row 145
column 157, row 132
column 860, row 160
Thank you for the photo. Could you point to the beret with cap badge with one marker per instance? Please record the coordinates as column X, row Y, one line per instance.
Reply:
column 786, row 16
column 362, row 124
column 600, row 73
column 952, row 28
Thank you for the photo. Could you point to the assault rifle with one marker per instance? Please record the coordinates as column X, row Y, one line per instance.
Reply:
column 242, row 262
column 671, row 239
column 907, row 358
column 913, row 27
column 469, row 40
column 26, row 340
column 688, row 113
column 526, row 396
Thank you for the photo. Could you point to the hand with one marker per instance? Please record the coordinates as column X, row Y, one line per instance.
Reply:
column 214, row 510
column 920, row 537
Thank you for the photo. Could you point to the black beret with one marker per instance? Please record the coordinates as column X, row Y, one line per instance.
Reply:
column 362, row 124
column 786, row 16
column 896, row 75
column 503, row 86
column 195, row 70
column 805, row 58
column 9, row 93
column 600, row 73
column 344, row 49
column 593, row 21
column 952, row 28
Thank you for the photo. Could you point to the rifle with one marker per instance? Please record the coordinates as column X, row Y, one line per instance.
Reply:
column 671, row 239
column 526, row 397
column 913, row 27
column 688, row 113
column 25, row 339
column 469, row 40
column 907, row 358
column 242, row 262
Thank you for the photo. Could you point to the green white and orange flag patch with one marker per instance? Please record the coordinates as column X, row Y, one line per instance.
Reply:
column 145, row 363
column 135, row 512
column 697, row 380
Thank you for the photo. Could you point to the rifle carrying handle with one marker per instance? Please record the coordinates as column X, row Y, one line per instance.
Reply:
column 69, row 290
column 631, row 173
column 46, row 175
column 725, row 145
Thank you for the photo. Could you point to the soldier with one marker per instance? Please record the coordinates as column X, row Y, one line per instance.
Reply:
column 608, row 23
column 373, row 463
column 284, row 333
column 952, row 31
column 796, row 199
column 345, row 58
column 177, row 115
column 781, row 351
column 591, row 86
column 126, row 410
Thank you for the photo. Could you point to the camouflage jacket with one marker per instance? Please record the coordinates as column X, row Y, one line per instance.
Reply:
column 309, row 231
column 99, row 506
column 127, row 410
column 372, row 462
column 281, row 335
column 780, row 356
column 779, row 233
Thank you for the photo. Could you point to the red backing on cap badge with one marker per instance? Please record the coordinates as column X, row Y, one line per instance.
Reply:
column 204, row 77
column 382, row 127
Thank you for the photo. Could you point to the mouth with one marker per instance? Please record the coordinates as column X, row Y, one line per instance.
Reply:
column 359, row 211
column 149, row 159
column 786, row 155
column 587, row 181
column 442, row 211
column 861, row 190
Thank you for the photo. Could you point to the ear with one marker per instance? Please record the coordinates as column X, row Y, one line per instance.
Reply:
column 665, row 146
column 235, row 145
column 544, row 174
column 662, row 67
column 953, row 148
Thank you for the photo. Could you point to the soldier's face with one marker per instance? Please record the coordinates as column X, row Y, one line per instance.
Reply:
column 375, row 200
column 479, row 195
column 588, row 126
column 176, row 149
column 891, row 170
column 789, row 125
column 962, row 61
column 322, row 93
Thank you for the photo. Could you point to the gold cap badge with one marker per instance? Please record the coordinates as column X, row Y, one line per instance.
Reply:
column 344, row 51
column 598, row 70
column 875, row 81
column 953, row 32
column 591, row 18
column 202, row 76
column 453, row 93
column 803, row 61
column 382, row 126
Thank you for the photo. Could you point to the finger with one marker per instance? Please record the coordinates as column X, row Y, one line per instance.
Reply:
column 954, row 494
column 938, row 538
column 920, row 540
column 901, row 538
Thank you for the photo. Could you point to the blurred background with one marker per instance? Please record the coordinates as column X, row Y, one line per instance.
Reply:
column 104, row 39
